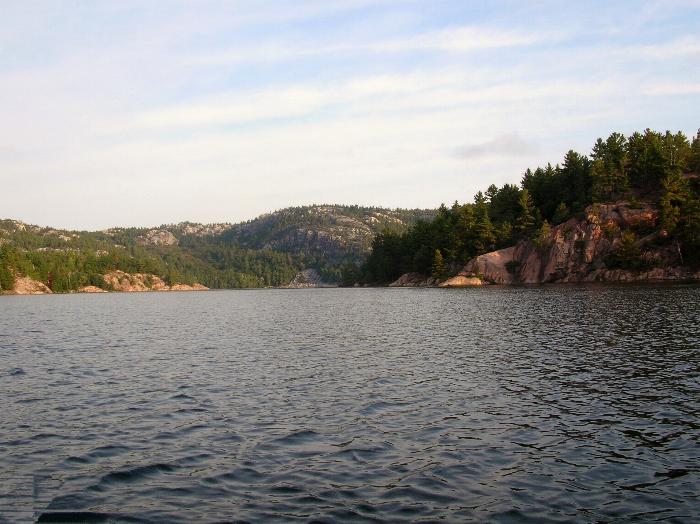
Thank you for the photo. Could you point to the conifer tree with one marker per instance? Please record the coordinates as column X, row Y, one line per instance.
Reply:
column 526, row 219
column 438, row 270
column 561, row 214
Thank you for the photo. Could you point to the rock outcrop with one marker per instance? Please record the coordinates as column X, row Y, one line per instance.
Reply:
column 576, row 251
column 414, row 280
column 90, row 289
column 309, row 278
column 157, row 237
column 187, row 287
column 462, row 280
column 29, row 286
column 135, row 282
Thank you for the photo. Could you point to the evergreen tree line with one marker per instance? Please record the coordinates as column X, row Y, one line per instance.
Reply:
column 658, row 167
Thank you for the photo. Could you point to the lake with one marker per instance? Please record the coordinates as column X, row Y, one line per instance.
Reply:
column 542, row 404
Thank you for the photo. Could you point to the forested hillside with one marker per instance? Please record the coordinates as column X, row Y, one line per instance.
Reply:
column 657, row 169
column 267, row 251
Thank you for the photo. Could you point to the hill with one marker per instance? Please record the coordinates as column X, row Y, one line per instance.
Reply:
column 267, row 251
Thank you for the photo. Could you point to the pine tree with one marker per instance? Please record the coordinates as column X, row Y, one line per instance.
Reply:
column 438, row 269
column 7, row 279
column 561, row 214
column 676, row 193
column 542, row 234
column 484, row 236
column 526, row 219
column 694, row 155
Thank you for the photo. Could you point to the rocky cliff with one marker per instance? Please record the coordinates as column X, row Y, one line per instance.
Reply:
column 580, row 250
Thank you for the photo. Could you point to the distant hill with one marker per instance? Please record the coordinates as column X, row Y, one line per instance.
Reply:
column 267, row 251
column 331, row 233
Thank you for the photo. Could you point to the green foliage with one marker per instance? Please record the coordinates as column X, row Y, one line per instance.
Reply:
column 350, row 274
column 7, row 279
column 608, row 171
column 675, row 195
column 525, row 223
column 694, row 155
column 628, row 255
column 542, row 237
column 680, row 215
column 561, row 214
column 438, row 268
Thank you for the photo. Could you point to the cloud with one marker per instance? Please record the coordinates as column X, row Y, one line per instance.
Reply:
column 460, row 39
column 687, row 46
column 670, row 89
column 512, row 145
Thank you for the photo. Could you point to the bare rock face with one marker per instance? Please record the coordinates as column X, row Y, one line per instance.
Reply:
column 309, row 278
column 29, row 286
column 157, row 237
column 90, row 289
column 187, row 287
column 202, row 230
column 462, row 280
column 121, row 281
column 136, row 282
column 575, row 251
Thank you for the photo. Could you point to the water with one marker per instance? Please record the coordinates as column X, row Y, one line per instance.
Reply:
column 546, row 404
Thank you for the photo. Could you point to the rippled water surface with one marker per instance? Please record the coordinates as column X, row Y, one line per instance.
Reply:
column 545, row 404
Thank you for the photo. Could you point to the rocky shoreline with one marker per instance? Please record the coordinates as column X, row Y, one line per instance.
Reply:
column 575, row 251
column 114, row 281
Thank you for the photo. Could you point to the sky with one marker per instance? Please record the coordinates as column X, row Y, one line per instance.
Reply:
column 129, row 113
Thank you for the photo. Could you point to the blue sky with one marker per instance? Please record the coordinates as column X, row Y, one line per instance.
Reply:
column 142, row 113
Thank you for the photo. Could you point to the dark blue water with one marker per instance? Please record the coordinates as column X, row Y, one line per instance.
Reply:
column 551, row 404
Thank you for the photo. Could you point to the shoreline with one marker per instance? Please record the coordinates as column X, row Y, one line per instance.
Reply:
column 641, row 283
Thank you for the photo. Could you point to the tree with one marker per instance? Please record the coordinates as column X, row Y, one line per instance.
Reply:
column 575, row 180
column 694, row 154
column 646, row 159
column 608, row 171
column 503, row 205
column 350, row 274
column 526, row 219
column 483, row 236
column 438, row 270
column 677, row 152
column 542, row 236
column 7, row 279
column 676, row 194
column 627, row 255
column 561, row 214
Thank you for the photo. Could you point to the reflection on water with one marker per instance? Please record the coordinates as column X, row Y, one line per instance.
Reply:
column 546, row 404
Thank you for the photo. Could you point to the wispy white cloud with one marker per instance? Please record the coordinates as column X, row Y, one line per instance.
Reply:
column 511, row 144
column 671, row 89
column 686, row 46
column 463, row 40
column 460, row 39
